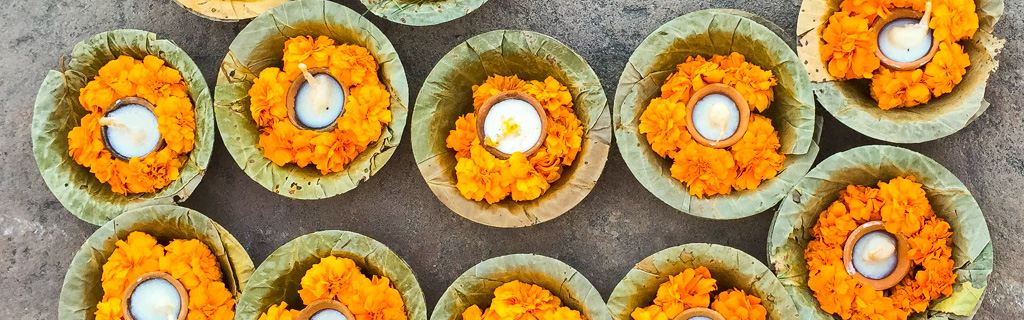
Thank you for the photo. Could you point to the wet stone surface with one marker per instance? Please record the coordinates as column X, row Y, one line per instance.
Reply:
column 618, row 224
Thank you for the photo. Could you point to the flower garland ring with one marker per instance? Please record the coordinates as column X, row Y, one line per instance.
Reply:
column 517, row 300
column 689, row 294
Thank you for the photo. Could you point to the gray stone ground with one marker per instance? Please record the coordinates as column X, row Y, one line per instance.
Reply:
column 616, row 226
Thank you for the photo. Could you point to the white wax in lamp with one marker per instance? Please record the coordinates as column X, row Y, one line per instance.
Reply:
column 320, row 101
column 906, row 40
column 874, row 255
column 132, row 130
column 699, row 318
column 512, row 125
column 716, row 117
column 328, row 314
column 155, row 299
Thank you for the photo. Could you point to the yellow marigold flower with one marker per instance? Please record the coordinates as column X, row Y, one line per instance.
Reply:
column 664, row 124
column 365, row 111
column 283, row 143
column 933, row 240
column 514, row 299
column 528, row 183
column 753, row 83
column 562, row 313
column 114, row 74
column 757, row 154
column 137, row 254
column 937, row 278
column 211, row 301
column 689, row 289
column 191, row 262
column 482, row 176
column 267, row 97
column 918, row 5
column 954, row 20
column 550, row 93
column 904, row 205
column 652, row 312
column 908, row 297
column 85, row 144
column 378, row 301
column 150, row 173
column 353, row 65
column 472, row 313
column 177, row 123
column 305, row 50
column 332, row 278
column 866, row 8
column 862, row 202
column 279, row 312
column 834, row 225
column 565, row 138
column 947, row 68
column 736, row 304
column 733, row 60
column 849, row 48
column 547, row 164
column 834, row 289
column 871, row 304
column 463, row 136
column 706, row 171
column 494, row 85
column 898, row 89
column 109, row 309
column 818, row 254
column 331, row 151
column 97, row 96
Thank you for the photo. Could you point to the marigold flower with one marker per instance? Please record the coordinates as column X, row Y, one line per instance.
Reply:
column 109, row 309
column 550, row 93
column 937, row 278
column 495, row 84
column 463, row 136
column 907, row 296
column 378, row 301
column 932, row 240
column 562, row 313
column 904, row 205
column 353, row 65
column 332, row 278
column 652, row 312
column 688, row 289
column 267, row 97
column 736, row 304
column 753, row 83
column 114, row 74
column 547, row 164
column 472, row 313
column 834, row 225
column 834, row 289
column 305, row 50
column 85, row 144
column 514, row 299
column 565, row 138
column 211, row 301
column 664, row 124
column 954, row 20
column 366, row 110
column 483, row 176
column 705, row 171
column 818, row 254
column 898, row 89
column 191, row 262
column 529, row 184
column 137, row 254
column 849, row 48
column 866, row 8
column 947, row 68
column 862, row 203
column 177, row 123
column 280, row 312
column 757, row 154
column 97, row 96
column 332, row 150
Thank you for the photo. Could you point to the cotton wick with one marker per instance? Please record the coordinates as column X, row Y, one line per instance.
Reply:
column 321, row 94
column 911, row 35
column 718, row 117
column 136, row 134
column 881, row 249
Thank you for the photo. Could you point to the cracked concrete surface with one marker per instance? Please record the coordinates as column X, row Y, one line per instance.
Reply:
column 616, row 226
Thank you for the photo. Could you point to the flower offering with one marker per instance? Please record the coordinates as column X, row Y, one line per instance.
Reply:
column 524, row 148
column 707, row 165
column 335, row 288
column 691, row 293
column 910, row 50
column 902, row 206
column 144, row 270
column 140, row 125
column 322, row 108
column 517, row 300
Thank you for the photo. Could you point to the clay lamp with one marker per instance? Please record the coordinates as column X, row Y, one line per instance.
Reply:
column 876, row 257
column 717, row 116
column 511, row 122
column 316, row 100
column 155, row 296
column 326, row 309
column 130, row 129
column 904, row 40
column 699, row 314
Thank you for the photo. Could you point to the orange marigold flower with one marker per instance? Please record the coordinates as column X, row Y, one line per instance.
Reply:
column 494, row 85
column 305, row 50
column 550, row 93
column 954, row 20
column 918, row 5
column 754, row 83
column 528, row 183
column 688, row 289
column 267, row 97
column 904, row 205
column 937, row 278
column 547, row 164
column 818, row 254
column 834, row 225
column 97, row 96
column 85, row 144
column 378, row 301
column 866, row 8
column 706, row 171
column 279, row 312
column 177, row 123
column 848, row 47
column 862, row 203
column 283, row 143
column 898, row 89
column 109, row 309
column 562, row 313
column 871, row 304
column 483, row 176
column 114, row 74
column 757, row 154
column 907, row 296
column 834, row 289
column 932, row 240
column 463, row 136
column 736, row 304
column 332, row 150
column 211, row 301
column 947, row 68
column 332, row 278
column 191, row 262
column 365, row 111
column 353, row 65
column 472, row 313
column 664, row 124
column 514, row 299
column 134, row 256
column 565, row 138
column 652, row 312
